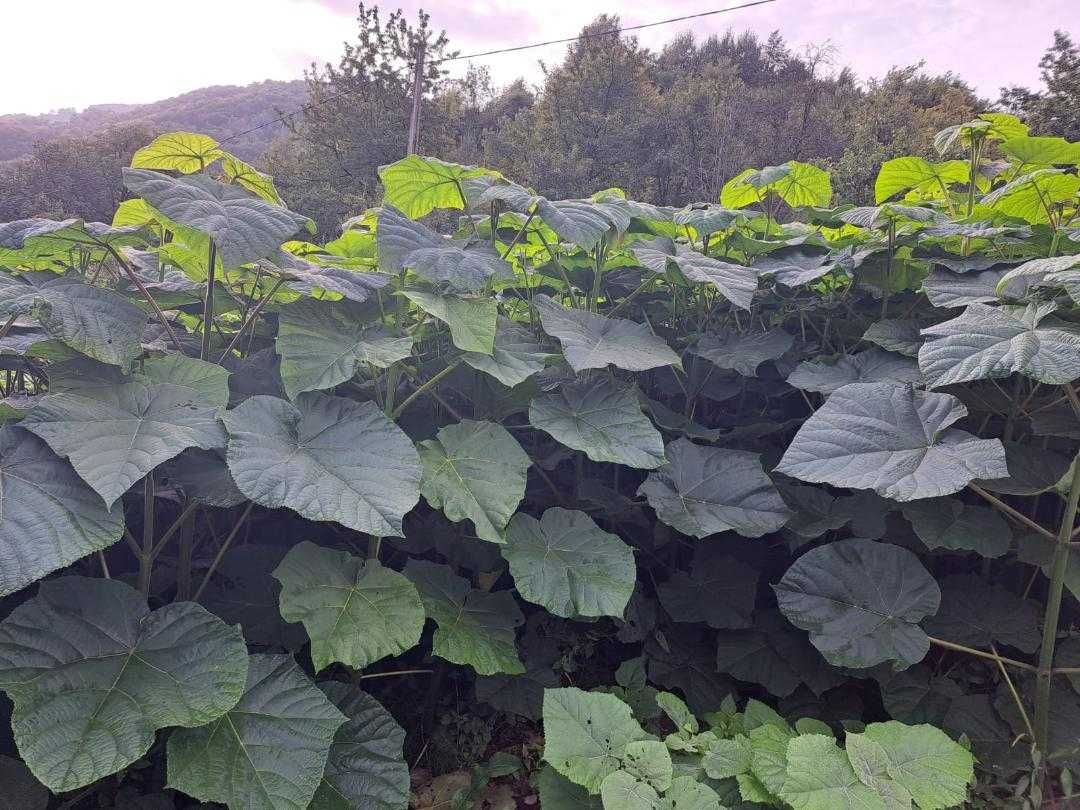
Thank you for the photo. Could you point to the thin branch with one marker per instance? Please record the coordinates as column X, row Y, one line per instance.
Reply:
column 1012, row 662
column 221, row 551
column 146, row 294
column 1019, row 517
column 1015, row 694
column 435, row 380
column 249, row 320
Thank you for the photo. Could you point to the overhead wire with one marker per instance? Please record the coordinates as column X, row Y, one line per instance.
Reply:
column 512, row 49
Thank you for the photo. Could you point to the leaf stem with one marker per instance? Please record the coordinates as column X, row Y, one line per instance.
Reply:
column 221, row 551
column 145, row 294
column 208, row 302
column 1058, row 569
column 250, row 319
column 1019, row 517
column 435, row 380
column 950, row 645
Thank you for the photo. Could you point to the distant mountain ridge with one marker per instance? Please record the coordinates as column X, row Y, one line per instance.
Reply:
column 218, row 111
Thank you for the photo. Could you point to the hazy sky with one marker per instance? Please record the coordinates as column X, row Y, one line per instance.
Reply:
column 72, row 53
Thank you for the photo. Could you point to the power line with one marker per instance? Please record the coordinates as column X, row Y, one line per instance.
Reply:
column 516, row 48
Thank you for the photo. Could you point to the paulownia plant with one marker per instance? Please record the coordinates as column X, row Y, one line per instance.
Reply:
column 768, row 502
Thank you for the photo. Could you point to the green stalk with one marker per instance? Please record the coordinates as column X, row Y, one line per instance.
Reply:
column 435, row 380
column 1053, row 611
column 146, row 558
column 208, row 304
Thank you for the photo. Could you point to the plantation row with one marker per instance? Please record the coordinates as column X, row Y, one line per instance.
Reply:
column 769, row 502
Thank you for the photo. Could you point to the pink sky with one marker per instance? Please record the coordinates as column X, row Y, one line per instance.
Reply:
column 989, row 42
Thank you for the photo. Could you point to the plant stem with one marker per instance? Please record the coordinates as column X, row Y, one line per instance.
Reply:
column 950, row 645
column 146, row 557
column 419, row 391
column 374, row 543
column 146, row 294
column 1058, row 568
column 1019, row 517
column 221, row 551
column 1013, row 692
column 183, row 564
column 208, row 302
column 250, row 319
column 394, row 674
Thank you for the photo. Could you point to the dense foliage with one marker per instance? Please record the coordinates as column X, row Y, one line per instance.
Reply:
column 613, row 505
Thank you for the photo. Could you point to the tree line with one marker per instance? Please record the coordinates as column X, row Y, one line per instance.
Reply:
column 665, row 125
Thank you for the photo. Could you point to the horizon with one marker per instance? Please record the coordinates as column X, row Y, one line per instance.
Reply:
column 288, row 35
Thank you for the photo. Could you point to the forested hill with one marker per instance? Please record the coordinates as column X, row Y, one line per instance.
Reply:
column 217, row 111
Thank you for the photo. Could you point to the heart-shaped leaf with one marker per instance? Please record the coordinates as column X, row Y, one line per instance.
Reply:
column 94, row 674
column 892, row 439
column 872, row 365
column 365, row 769
column 516, row 356
column 568, row 564
column 115, row 435
column 594, row 341
column 355, row 611
column 743, row 352
column 861, row 602
column 97, row 322
column 602, row 418
column 475, row 470
column 49, row 518
column 325, row 457
column 243, row 227
column 987, row 342
column 475, row 628
column 585, row 734
column 322, row 344
column 707, row 490
column 269, row 752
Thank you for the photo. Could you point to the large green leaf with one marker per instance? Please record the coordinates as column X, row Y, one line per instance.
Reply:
column 861, row 602
column 418, row 185
column 707, row 490
column 117, row 434
column 243, row 227
column 734, row 281
column 409, row 245
column 475, row 628
column 935, row 770
column 952, row 524
column 268, row 752
column 183, row 152
column 97, row 322
column 49, row 518
column 325, row 457
column 894, row 335
column 582, row 222
column 568, row 564
column 595, row 341
column 718, row 589
column 987, row 342
column 820, row 777
column 585, row 734
column 559, row 793
column 872, row 365
column 892, row 439
column 1027, row 150
column 915, row 174
column 310, row 279
column 355, row 611
column 797, row 184
column 743, row 352
column 475, row 470
column 1033, row 196
column 322, row 344
column 94, row 674
column 365, row 769
column 516, row 356
column 602, row 418
column 627, row 792
column 472, row 321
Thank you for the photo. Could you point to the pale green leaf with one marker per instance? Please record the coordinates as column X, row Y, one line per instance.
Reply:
column 355, row 611
column 94, row 675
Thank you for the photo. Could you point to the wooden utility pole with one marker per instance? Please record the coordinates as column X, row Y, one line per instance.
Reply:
column 418, row 88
